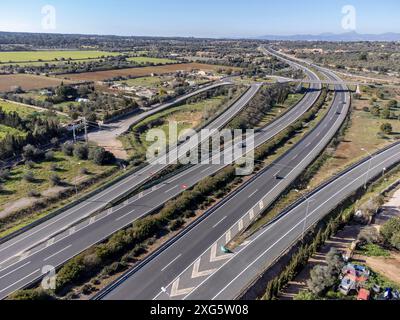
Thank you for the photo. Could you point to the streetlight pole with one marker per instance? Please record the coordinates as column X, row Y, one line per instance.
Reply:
column 369, row 167
column 308, row 201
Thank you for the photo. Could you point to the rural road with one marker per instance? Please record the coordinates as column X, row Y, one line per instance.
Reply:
column 107, row 137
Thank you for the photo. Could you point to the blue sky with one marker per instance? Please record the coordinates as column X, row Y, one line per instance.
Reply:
column 200, row 18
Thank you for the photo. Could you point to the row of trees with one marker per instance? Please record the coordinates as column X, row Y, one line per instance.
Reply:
column 260, row 106
column 37, row 131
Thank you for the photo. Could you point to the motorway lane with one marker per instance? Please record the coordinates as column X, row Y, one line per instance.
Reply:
column 269, row 243
column 182, row 266
column 59, row 249
column 71, row 216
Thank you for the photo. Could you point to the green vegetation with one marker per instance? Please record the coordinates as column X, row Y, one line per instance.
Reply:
column 326, row 228
column 27, row 56
column 391, row 232
column 23, row 111
column 373, row 250
column 5, row 130
column 145, row 60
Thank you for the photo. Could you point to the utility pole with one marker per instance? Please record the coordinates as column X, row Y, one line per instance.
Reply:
column 86, row 131
column 73, row 132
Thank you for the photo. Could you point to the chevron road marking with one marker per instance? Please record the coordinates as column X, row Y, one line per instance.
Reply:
column 251, row 214
column 199, row 274
column 214, row 257
column 241, row 224
column 228, row 236
column 176, row 292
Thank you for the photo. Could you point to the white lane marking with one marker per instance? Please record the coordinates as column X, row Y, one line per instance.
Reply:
column 98, row 197
column 163, row 269
column 219, row 222
column 171, row 189
column 58, row 252
column 235, row 222
column 299, row 223
column 253, row 193
column 20, row 280
column 12, row 271
column 127, row 214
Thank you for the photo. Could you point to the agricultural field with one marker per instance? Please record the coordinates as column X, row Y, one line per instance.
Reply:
column 23, row 111
column 39, row 56
column 28, row 82
column 142, row 72
column 144, row 60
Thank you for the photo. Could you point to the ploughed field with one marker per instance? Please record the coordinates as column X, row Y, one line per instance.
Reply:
column 27, row 82
column 141, row 72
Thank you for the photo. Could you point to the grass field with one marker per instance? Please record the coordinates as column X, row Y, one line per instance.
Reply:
column 22, row 111
column 28, row 56
column 28, row 82
column 68, row 169
column 151, row 60
column 4, row 130
column 141, row 72
column 148, row 82
column 187, row 116
column 361, row 134
column 51, row 63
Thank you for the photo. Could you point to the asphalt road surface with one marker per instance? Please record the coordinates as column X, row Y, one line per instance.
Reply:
column 189, row 260
column 18, row 270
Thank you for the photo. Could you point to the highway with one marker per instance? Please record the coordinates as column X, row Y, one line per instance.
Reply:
column 21, row 269
column 190, row 259
column 267, row 245
column 71, row 216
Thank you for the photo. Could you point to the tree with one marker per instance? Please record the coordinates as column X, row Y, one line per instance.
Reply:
column 387, row 128
column 32, row 295
column 369, row 235
column 385, row 114
column 335, row 262
column 375, row 111
column 67, row 148
column 29, row 176
column 320, row 280
column 49, row 156
column 390, row 228
column 392, row 104
column 395, row 240
column 55, row 180
column 81, row 152
column 101, row 157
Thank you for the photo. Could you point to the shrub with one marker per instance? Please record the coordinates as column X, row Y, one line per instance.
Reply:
column 55, row 180
column 32, row 153
column 67, row 148
column 30, row 164
column 4, row 174
column 49, row 156
column 34, row 194
column 29, row 176
column 101, row 157
column 390, row 228
column 81, row 152
column 387, row 128
column 84, row 171
column 32, row 295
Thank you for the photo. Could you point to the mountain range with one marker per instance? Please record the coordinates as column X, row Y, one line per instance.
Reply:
column 348, row 36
